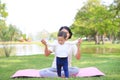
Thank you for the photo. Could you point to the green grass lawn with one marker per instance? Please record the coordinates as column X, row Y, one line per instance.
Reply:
column 108, row 63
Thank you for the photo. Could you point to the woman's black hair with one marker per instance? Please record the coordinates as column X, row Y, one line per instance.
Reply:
column 68, row 29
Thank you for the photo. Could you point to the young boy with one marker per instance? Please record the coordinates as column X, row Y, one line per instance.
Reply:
column 61, row 49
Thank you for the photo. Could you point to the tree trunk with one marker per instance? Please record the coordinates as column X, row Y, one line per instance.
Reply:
column 96, row 38
column 103, row 39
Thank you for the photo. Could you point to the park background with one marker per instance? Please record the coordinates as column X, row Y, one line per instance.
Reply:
column 96, row 23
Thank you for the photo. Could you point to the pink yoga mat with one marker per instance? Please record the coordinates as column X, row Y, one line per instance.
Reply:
column 26, row 73
column 83, row 72
column 89, row 72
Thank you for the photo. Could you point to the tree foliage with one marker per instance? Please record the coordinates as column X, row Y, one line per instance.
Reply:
column 95, row 19
column 8, row 33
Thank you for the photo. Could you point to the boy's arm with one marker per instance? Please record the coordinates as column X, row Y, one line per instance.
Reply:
column 47, row 51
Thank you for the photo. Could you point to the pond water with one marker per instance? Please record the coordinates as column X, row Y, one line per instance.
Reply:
column 24, row 49
column 32, row 49
column 100, row 50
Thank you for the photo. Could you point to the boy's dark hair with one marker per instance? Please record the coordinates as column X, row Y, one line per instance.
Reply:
column 62, row 34
column 68, row 29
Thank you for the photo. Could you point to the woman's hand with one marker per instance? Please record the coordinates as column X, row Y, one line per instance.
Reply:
column 78, row 55
column 79, row 42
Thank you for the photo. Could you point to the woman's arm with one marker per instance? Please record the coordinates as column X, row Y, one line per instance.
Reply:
column 47, row 51
column 78, row 55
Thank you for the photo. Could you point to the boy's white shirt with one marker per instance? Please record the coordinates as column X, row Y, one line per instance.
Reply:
column 69, row 47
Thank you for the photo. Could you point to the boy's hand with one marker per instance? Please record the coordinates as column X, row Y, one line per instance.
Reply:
column 43, row 42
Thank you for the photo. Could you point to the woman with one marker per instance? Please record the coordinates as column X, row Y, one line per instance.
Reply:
column 74, row 50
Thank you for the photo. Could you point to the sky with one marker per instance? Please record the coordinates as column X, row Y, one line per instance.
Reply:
column 32, row 16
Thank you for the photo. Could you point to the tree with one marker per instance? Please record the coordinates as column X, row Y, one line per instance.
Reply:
column 96, row 20
column 3, row 15
column 7, row 33
column 115, row 10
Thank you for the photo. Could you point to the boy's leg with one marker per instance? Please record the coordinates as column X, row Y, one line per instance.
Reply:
column 65, row 68
column 58, row 65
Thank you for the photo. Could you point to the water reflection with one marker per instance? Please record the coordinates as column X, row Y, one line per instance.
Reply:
column 31, row 49
column 25, row 49
column 28, row 49
column 100, row 50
